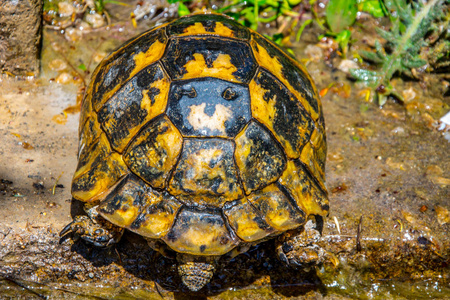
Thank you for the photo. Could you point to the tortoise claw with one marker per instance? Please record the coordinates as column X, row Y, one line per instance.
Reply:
column 100, row 235
column 66, row 230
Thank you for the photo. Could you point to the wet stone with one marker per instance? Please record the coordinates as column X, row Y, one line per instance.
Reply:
column 206, row 173
column 275, row 107
column 193, row 57
column 209, row 107
column 200, row 233
column 154, row 151
column 141, row 99
column 203, row 24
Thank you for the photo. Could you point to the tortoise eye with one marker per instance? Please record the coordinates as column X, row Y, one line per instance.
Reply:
column 229, row 94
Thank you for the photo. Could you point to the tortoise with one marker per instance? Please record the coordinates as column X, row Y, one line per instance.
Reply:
column 205, row 138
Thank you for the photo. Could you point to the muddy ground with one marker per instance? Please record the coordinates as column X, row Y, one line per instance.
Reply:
column 388, row 167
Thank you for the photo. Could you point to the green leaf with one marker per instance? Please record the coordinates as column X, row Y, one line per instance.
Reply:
column 183, row 10
column 302, row 27
column 373, row 7
column 388, row 36
column 343, row 38
column 371, row 56
column 340, row 14
column 370, row 77
column 294, row 2
column 82, row 67
column 412, row 63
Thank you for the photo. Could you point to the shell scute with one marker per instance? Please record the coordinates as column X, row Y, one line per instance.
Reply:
column 303, row 188
column 125, row 201
column 206, row 173
column 260, row 159
column 200, row 233
column 275, row 107
column 208, row 24
column 158, row 216
column 247, row 221
column 195, row 57
column 314, row 155
column 289, row 72
column 209, row 107
column 89, row 135
column 140, row 100
column 154, row 151
column 124, row 63
column 136, row 206
column 277, row 209
column 99, row 177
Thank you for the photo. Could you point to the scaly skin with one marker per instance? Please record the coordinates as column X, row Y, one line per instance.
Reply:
column 93, row 229
column 298, row 248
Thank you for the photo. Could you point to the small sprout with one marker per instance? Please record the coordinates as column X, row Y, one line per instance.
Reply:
column 358, row 235
column 82, row 67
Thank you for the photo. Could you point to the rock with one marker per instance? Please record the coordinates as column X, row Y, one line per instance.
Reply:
column 20, row 36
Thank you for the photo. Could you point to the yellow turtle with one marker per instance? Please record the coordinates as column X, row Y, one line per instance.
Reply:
column 205, row 138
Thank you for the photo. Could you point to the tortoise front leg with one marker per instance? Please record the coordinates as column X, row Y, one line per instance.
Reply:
column 93, row 228
column 298, row 248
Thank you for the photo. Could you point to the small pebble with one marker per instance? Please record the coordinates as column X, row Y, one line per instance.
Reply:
column 64, row 78
column 65, row 9
column 57, row 65
column 442, row 214
column 314, row 52
column 73, row 34
column 95, row 20
column 347, row 64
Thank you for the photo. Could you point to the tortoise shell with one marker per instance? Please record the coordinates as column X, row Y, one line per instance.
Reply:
column 203, row 134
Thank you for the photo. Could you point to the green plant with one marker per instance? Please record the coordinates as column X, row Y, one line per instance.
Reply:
column 340, row 14
column 410, row 24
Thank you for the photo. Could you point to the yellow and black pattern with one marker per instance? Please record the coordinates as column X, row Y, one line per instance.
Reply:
column 136, row 206
column 247, row 221
column 203, row 134
column 140, row 100
column 200, row 232
column 206, row 173
column 154, row 152
column 260, row 159
column 195, row 57
column 208, row 24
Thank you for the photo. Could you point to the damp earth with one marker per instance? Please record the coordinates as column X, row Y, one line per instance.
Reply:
column 387, row 175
